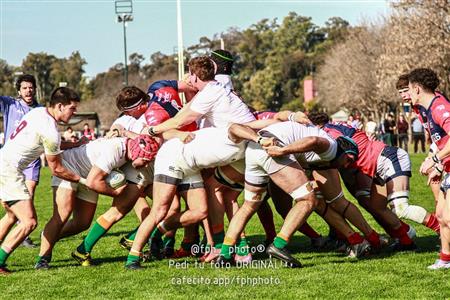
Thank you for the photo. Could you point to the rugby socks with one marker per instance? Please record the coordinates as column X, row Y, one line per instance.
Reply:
column 401, row 234
column 444, row 257
column 4, row 253
column 280, row 241
column 47, row 258
column 218, row 235
column 132, row 235
column 242, row 246
column 308, row 231
column 374, row 239
column 169, row 242
column 100, row 227
column 159, row 231
column 226, row 250
column 187, row 243
column 433, row 223
column 355, row 238
column 133, row 256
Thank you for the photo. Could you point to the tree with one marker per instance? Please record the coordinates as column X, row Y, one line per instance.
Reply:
column 39, row 65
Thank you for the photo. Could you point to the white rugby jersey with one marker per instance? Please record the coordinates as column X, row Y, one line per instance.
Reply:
column 290, row 132
column 220, row 106
column 211, row 148
column 106, row 154
column 35, row 134
column 130, row 123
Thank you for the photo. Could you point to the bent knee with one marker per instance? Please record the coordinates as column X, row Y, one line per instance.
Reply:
column 29, row 224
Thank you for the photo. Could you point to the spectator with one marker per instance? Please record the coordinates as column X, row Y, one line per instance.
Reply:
column 402, row 128
column 68, row 134
column 418, row 135
column 371, row 129
column 88, row 132
column 389, row 127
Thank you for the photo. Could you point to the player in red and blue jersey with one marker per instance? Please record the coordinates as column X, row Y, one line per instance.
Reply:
column 422, row 89
column 381, row 165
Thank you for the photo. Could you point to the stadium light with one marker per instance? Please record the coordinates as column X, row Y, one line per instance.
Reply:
column 180, row 47
column 124, row 12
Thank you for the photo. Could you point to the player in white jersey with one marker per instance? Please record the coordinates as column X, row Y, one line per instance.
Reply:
column 37, row 133
column 94, row 162
column 279, row 163
column 177, row 167
column 216, row 104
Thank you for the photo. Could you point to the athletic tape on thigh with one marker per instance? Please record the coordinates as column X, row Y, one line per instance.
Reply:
column 362, row 193
column 190, row 186
column 345, row 209
column 251, row 196
column 224, row 180
column 335, row 198
column 166, row 179
column 302, row 191
column 398, row 195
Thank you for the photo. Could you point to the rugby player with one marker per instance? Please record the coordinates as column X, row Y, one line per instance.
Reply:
column 36, row 133
column 280, row 165
column 422, row 89
column 93, row 162
column 13, row 110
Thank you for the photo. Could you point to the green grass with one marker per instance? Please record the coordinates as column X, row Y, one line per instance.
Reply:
column 325, row 274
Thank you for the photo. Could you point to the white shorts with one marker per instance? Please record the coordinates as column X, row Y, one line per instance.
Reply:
column 82, row 192
column 12, row 184
column 392, row 162
column 171, row 167
column 259, row 165
column 141, row 176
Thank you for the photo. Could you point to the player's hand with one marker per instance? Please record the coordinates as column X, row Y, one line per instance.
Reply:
column 426, row 166
column 115, row 131
column 186, row 136
column 301, row 118
column 274, row 151
column 435, row 175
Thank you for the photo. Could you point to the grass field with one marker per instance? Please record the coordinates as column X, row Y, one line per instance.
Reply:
column 325, row 274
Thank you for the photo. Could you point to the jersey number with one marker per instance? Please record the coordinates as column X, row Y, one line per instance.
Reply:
column 19, row 128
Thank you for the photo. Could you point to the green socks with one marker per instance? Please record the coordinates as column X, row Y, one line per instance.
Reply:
column 132, row 235
column 242, row 248
column 225, row 251
column 3, row 256
column 131, row 259
column 218, row 239
column 156, row 233
column 169, row 242
column 280, row 243
column 96, row 232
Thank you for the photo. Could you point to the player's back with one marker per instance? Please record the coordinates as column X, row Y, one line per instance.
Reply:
column 211, row 147
column 35, row 134
column 220, row 106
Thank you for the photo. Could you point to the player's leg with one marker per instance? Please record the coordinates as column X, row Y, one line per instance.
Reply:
column 329, row 184
column 63, row 202
column 32, row 173
column 443, row 214
column 26, row 214
column 7, row 222
column 121, row 205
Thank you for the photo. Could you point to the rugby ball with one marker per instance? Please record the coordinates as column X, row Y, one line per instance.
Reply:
column 116, row 179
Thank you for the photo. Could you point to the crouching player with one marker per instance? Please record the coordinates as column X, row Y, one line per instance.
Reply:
column 285, row 171
column 93, row 163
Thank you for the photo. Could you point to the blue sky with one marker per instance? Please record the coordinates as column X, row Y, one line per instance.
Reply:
column 61, row 27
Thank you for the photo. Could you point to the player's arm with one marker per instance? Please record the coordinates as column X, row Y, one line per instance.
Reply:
column 238, row 133
column 306, row 144
column 4, row 102
column 96, row 181
column 260, row 124
column 287, row 115
column 58, row 170
column 184, row 117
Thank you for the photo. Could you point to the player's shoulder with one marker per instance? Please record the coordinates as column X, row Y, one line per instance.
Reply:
column 8, row 100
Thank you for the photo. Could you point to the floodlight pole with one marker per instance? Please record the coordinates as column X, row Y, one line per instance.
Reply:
column 124, row 12
column 125, row 51
column 180, row 47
